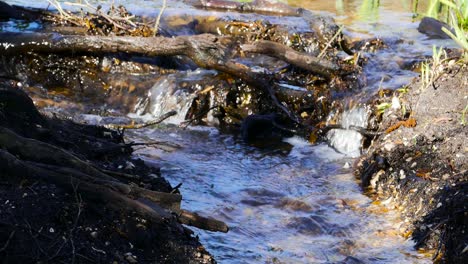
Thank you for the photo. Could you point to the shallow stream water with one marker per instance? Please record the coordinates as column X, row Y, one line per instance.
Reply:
column 297, row 202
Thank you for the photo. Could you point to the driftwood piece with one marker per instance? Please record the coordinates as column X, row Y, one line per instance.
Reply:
column 98, row 45
column 167, row 200
column 193, row 219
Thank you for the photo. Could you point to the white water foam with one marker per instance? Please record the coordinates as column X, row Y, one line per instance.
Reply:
column 167, row 95
column 349, row 141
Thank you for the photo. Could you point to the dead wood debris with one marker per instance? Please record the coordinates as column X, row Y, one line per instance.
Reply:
column 92, row 183
column 206, row 50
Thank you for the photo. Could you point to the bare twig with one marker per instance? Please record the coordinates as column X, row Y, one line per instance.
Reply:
column 79, row 204
column 121, row 174
column 200, row 115
column 8, row 241
column 158, row 19
column 147, row 124
column 330, row 42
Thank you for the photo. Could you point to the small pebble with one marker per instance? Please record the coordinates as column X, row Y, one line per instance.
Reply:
column 396, row 103
column 402, row 174
column 131, row 259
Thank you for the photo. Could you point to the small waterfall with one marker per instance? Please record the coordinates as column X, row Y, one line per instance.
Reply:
column 168, row 94
column 349, row 141
column 165, row 96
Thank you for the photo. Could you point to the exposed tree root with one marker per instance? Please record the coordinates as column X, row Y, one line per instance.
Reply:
column 92, row 183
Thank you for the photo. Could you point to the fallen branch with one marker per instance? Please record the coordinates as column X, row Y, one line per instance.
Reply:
column 201, row 222
column 206, row 50
column 298, row 59
column 361, row 130
column 158, row 19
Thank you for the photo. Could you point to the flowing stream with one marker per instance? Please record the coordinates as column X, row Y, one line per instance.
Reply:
column 297, row 203
column 294, row 203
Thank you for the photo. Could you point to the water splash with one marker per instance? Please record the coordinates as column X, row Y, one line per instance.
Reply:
column 349, row 141
column 169, row 94
column 165, row 96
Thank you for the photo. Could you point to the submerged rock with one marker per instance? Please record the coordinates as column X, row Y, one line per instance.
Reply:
column 263, row 127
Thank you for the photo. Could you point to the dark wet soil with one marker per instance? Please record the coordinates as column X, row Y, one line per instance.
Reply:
column 43, row 223
column 423, row 170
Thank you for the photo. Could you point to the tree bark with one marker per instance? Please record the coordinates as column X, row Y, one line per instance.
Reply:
column 301, row 60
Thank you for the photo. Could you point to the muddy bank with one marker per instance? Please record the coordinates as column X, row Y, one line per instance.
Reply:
column 48, row 213
column 419, row 165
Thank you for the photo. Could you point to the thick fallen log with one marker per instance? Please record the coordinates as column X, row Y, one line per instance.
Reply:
column 206, row 50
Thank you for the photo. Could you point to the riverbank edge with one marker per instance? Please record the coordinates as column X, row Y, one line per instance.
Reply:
column 422, row 170
column 45, row 220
